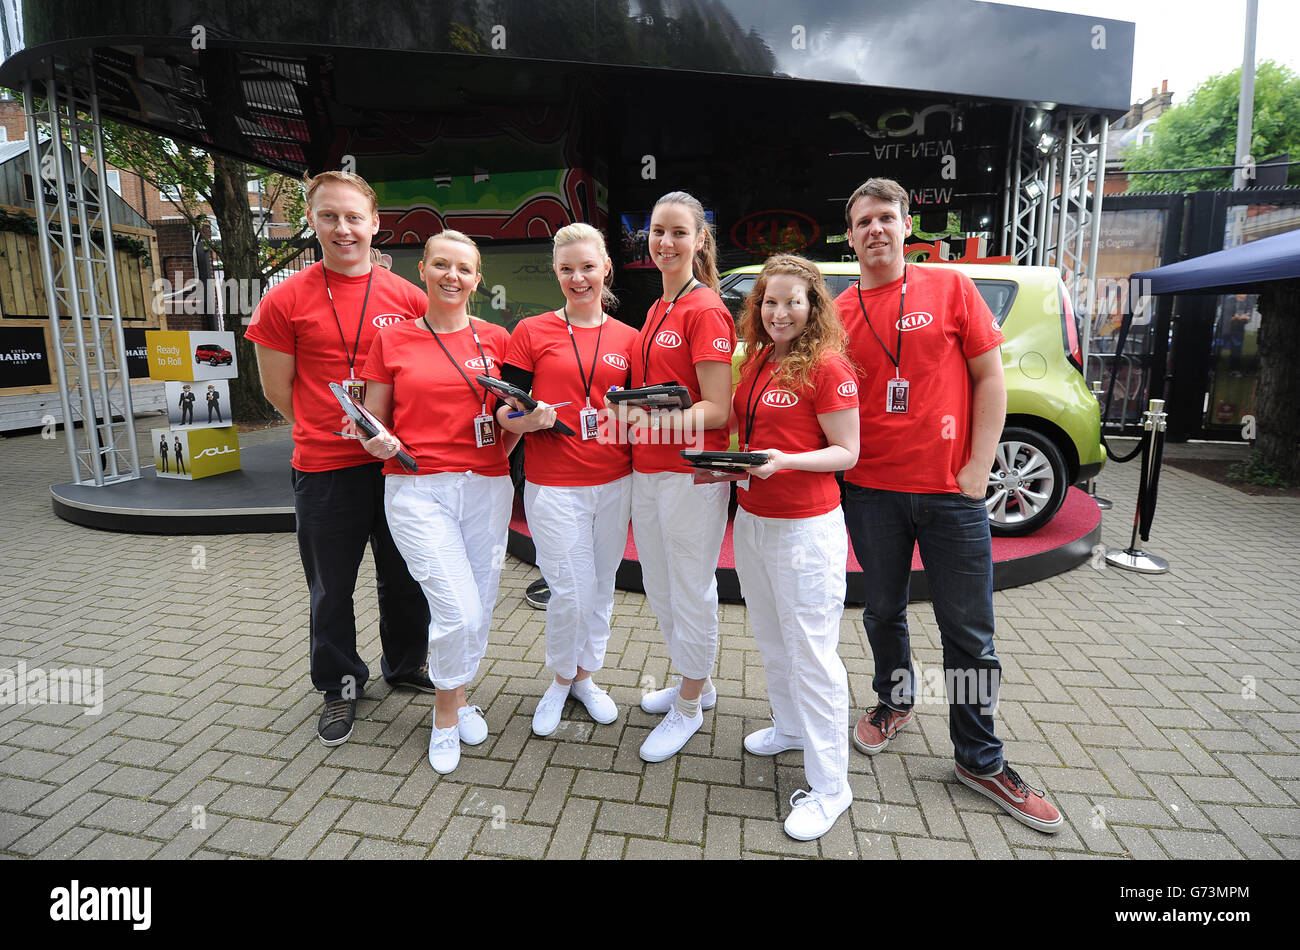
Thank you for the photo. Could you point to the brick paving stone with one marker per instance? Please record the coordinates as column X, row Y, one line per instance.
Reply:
column 249, row 801
column 686, row 822
column 745, row 802
column 245, row 836
column 604, row 847
column 1240, row 832
column 513, row 839
column 335, row 846
column 722, row 837
column 387, row 821
column 572, row 830
column 937, row 810
column 607, row 785
column 1272, row 821
column 657, row 783
column 111, row 846
column 641, row 849
column 770, row 838
column 927, row 849
column 632, row 819
column 1195, row 844
column 375, row 849
column 125, row 815
column 876, row 847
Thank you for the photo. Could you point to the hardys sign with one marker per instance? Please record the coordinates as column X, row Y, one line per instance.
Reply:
column 24, row 360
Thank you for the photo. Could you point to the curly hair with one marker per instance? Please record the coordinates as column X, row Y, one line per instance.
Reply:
column 824, row 333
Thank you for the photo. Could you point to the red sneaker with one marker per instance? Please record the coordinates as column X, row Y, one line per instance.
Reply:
column 1025, row 804
column 876, row 728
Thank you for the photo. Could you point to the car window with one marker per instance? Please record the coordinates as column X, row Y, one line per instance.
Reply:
column 838, row 283
column 999, row 295
column 734, row 294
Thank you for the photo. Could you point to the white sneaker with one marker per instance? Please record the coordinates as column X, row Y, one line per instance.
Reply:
column 599, row 706
column 667, row 738
column 472, row 725
column 815, row 813
column 661, row 700
column 547, row 716
column 444, row 749
column 769, row 742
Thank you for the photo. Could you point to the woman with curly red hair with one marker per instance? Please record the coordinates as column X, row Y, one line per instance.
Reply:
column 797, row 402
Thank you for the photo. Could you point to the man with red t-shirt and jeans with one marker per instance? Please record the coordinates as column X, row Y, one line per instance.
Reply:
column 932, row 402
column 312, row 330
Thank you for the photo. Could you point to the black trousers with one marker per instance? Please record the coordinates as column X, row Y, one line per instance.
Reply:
column 338, row 512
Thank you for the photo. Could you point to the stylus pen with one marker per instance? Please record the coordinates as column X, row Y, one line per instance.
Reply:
column 523, row 412
column 347, row 436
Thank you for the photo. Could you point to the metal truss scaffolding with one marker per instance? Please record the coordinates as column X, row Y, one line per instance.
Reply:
column 1051, row 207
column 75, row 234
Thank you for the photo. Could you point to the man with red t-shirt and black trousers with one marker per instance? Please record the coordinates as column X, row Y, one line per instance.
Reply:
column 312, row 330
column 932, row 403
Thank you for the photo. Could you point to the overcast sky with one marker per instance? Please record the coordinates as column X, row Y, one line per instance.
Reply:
column 1187, row 42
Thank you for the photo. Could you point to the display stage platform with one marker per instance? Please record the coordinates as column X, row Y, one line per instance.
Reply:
column 259, row 498
column 1062, row 544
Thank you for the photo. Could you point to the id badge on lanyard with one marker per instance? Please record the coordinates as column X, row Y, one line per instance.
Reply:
column 589, row 425
column 485, row 433
column 355, row 388
column 896, row 391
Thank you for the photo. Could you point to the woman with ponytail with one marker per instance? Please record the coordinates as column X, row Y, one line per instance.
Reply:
column 578, row 488
column 678, row 525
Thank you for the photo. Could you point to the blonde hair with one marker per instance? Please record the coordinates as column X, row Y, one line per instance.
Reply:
column 824, row 333
column 705, row 264
column 576, row 233
column 313, row 183
column 460, row 238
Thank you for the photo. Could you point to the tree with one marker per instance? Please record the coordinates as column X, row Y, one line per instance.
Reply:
column 1203, row 131
column 1277, row 450
column 248, row 257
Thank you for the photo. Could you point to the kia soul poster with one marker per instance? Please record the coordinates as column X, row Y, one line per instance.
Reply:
column 188, row 454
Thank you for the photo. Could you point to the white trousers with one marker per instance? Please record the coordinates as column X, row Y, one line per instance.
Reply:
column 792, row 575
column 678, row 528
column 451, row 528
column 580, row 532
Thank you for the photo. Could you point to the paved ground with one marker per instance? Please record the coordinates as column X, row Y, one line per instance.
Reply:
column 1160, row 712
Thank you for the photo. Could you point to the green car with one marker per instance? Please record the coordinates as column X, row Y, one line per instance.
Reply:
column 1052, row 437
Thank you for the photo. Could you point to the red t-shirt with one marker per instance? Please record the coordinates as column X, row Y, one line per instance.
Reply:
column 946, row 323
column 698, row 329
column 295, row 317
column 540, row 345
column 433, row 407
column 786, row 419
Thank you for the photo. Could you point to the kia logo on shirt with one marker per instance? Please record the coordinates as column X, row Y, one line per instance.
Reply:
column 615, row 360
column 722, row 345
column 669, row 338
column 779, row 398
column 914, row 321
column 996, row 328
column 848, row 388
column 387, row 319
column 479, row 362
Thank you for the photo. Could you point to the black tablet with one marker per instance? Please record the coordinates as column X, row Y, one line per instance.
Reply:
column 511, row 391
column 663, row 396
column 368, row 424
column 726, row 460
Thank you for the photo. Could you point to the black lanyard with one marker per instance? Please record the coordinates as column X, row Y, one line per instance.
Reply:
column 650, row 340
column 901, row 297
column 356, row 347
column 586, row 386
column 751, row 402
column 452, row 359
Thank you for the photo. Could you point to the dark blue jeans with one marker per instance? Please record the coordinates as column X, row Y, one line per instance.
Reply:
column 952, row 532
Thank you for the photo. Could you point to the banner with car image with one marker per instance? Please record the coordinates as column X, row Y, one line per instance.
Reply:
column 191, row 355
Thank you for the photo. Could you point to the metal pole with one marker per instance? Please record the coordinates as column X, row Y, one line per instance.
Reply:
column 47, row 269
column 1246, row 101
column 1133, row 558
column 1094, row 240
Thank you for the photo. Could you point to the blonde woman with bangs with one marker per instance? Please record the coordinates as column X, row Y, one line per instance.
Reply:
column 797, row 402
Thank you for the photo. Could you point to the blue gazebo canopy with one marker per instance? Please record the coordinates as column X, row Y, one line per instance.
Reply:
column 1236, row 270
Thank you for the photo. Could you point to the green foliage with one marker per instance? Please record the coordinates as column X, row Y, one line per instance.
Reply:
column 1256, row 470
column 20, row 223
column 1203, row 131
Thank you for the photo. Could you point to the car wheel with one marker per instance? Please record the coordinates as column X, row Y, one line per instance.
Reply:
column 1027, row 484
column 214, row 361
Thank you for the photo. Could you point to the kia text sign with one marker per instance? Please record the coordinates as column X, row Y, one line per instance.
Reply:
column 775, row 232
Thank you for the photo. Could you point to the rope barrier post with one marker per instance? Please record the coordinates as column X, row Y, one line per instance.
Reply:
column 1133, row 558
column 1105, row 504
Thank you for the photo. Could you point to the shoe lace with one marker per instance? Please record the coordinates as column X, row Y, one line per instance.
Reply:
column 337, row 710
column 467, row 710
column 809, row 800
column 1019, row 784
column 444, row 738
column 879, row 716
